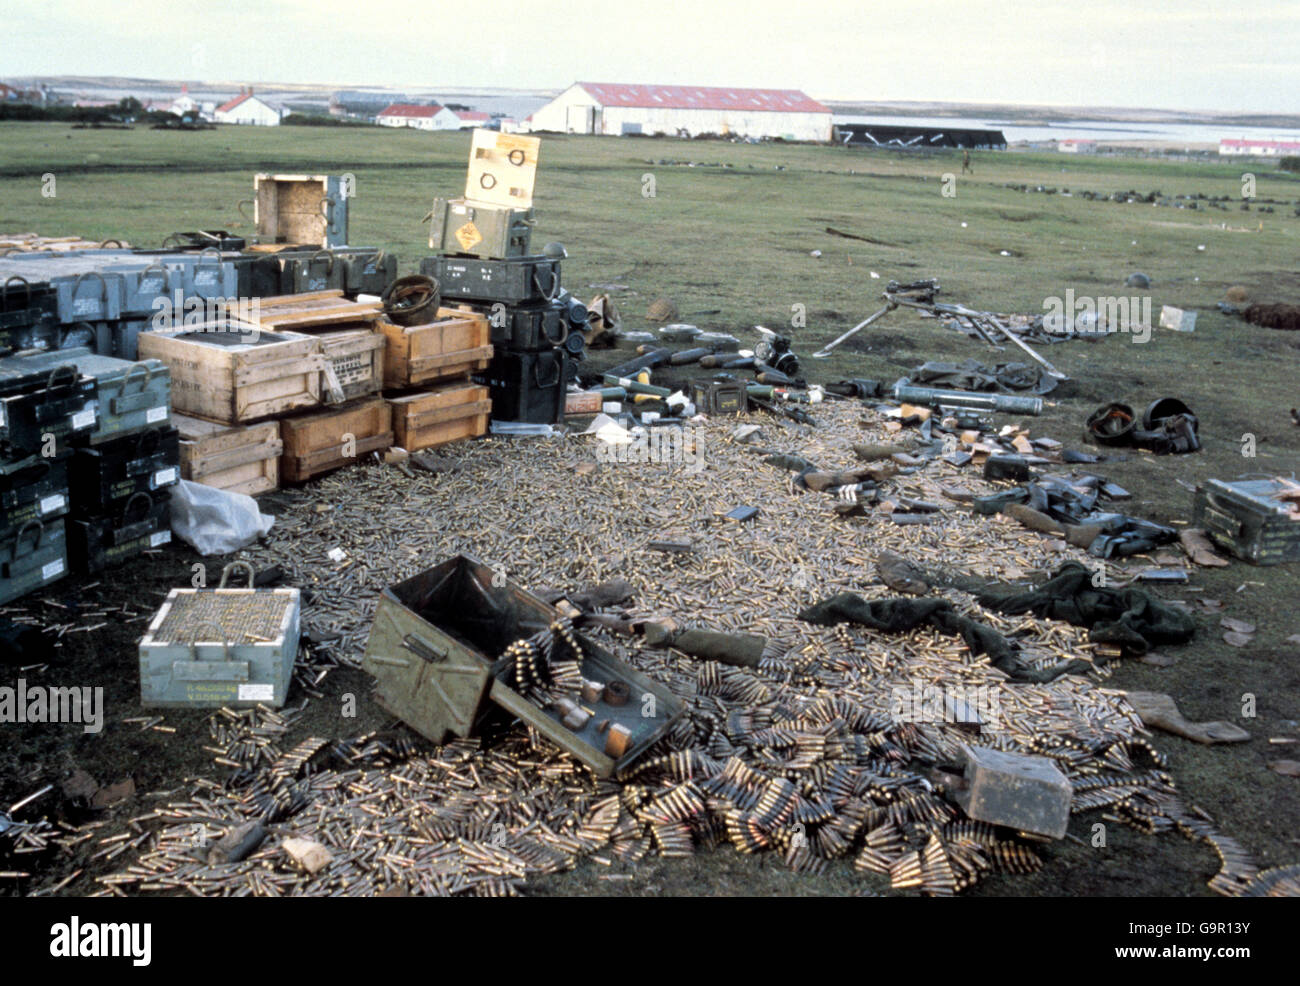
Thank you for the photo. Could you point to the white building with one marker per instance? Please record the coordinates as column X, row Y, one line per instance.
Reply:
column 603, row 108
column 250, row 110
column 1260, row 147
column 418, row 117
column 1072, row 146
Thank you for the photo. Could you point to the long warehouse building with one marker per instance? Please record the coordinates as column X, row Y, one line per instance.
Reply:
column 606, row 108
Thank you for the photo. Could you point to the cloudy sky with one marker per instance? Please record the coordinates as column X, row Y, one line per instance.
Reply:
column 1176, row 54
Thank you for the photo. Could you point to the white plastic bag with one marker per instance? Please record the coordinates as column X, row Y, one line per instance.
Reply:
column 216, row 522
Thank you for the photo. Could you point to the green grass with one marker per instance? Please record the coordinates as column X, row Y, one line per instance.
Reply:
column 732, row 247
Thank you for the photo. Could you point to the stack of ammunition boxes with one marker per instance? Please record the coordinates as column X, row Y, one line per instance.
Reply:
column 122, row 468
column 42, row 408
column 487, row 261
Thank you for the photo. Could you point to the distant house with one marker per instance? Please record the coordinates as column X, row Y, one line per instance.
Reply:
column 605, row 108
column 249, row 110
column 1072, row 146
column 1259, row 147
column 418, row 117
column 470, row 118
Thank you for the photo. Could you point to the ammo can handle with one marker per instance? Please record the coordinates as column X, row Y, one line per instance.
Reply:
column 167, row 274
column 54, row 373
column 328, row 256
column 126, row 507
column 326, row 210
column 221, row 637
column 40, row 535
column 204, row 252
column 422, row 649
column 551, row 293
column 116, row 243
column 246, row 566
column 537, row 373
column 103, row 284
column 239, row 207
column 148, row 375
column 26, row 285
column 168, row 238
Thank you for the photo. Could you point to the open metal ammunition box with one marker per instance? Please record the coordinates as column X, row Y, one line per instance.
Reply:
column 1258, row 520
column 212, row 647
column 436, row 649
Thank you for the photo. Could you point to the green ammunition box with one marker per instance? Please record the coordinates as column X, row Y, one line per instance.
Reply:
column 436, row 653
column 459, row 226
column 33, row 557
column 1258, row 520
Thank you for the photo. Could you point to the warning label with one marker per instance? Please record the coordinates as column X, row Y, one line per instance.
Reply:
column 468, row 236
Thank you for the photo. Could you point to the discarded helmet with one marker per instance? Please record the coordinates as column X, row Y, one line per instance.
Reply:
column 554, row 251
column 1137, row 280
column 1111, row 424
column 1161, row 408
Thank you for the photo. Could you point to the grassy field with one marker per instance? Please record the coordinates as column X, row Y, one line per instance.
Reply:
column 730, row 240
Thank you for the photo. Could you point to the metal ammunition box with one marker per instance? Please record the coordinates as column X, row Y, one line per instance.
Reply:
column 33, row 557
column 367, row 271
column 720, row 396
column 1256, row 520
column 132, row 397
column 460, row 226
column 521, row 280
column 44, row 396
column 526, row 327
column 527, row 386
column 436, row 649
column 33, row 488
column 88, row 296
column 141, row 463
column 140, row 522
column 208, row 648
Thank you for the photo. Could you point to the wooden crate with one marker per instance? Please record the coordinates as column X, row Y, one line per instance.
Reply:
column 319, row 441
column 305, row 209
column 457, row 344
column 240, row 459
column 440, row 415
column 234, row 376
column 354, row 360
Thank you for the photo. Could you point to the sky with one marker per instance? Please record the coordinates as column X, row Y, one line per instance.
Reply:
column 1169, row 54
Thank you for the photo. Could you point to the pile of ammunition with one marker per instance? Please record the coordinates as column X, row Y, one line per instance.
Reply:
column 805, row 755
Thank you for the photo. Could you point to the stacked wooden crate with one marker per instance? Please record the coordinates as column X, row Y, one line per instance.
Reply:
column 426, row 379
column 296, row 391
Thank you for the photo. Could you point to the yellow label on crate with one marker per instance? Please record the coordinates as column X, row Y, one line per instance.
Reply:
column 468, row 236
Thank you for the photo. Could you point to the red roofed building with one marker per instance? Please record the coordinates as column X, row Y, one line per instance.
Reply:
column 472, row 118
column 418, row 117
column 1259, row 147
column 606, row 108
column 250, row 110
